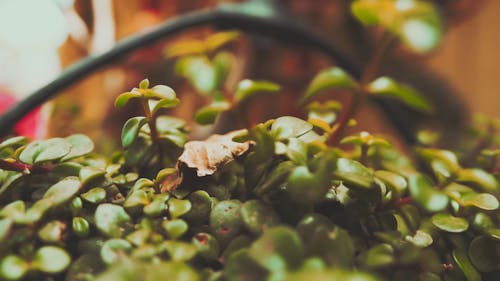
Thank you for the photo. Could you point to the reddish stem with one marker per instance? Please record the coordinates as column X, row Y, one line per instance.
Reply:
column 17, row 166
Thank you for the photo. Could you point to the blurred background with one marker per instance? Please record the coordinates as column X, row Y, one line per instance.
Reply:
column 40, row 38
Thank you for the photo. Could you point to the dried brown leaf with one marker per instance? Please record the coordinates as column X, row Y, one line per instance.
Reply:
column 206, row 157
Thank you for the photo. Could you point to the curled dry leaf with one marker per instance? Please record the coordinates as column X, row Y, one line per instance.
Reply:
column 206, row 157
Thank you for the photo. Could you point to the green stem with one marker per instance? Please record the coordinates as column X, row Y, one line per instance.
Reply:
column 155, row 137
column 358, row 96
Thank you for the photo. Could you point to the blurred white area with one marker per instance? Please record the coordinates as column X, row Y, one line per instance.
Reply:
column 31, row 31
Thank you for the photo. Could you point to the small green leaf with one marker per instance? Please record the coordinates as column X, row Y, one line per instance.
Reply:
column 178, row 207
column 208, row 114
column 13, row 267
column 380, row 255
column 257, row 216
column 199, row 71
column 450, row 223
column 138, row 197
column 80, row 145
column 44, row 151
column 14, row 141
column 207, row 246
column 163, row 92
column 5, row 227
column 52, row 231
column 485, row 180
column 248, row 88
column 353, row 173
column 463, row 262
column 179, row 251
column 110, row 218
column 144, row 84
column 131, row 130
column 385, row 86
column 88, row 174
column 51, row 259
column 421, row 239
column 484, row 254
column 421, row 189
column 165, row 103
column 80, row 226
column 63, row 191
column 226, row 220
column 157, row 206
column 483, row 201
column 95, row 195
column 289, row 127
column 175, row 228
column 331, row 78
column 219, row 39
column 396, row 182
column 114, row 249
column 123, row 99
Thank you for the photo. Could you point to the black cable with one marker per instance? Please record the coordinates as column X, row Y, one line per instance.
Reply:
column 278, row 28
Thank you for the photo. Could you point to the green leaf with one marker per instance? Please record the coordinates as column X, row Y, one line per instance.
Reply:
column 278, row 244
column 13, row 267
column 483, row 201
column 114, row 249
column 199, row 71
column 164, row 103
column 353, row 173
column 62, row 191
column 5, row 227
column 484, row 254
column 450, row 223
column 380, row 255
column 44, row 151
column 52, row 231
column 179, row 251
column 248, row 88
column 110, row 218
column 157, row 206
column 88, row 174
column 175, row 228
column 327, row 79
column 463, row 262
column 178, row 207
column 144, row 84
column 258, row 216
column 219, row 39
column 421, row 189
column 80, row 146
column 123, row 99
column 14, row 141
column 421, row 239
column 95, row 195
column 226, row 221
column 289, row 127
column 208, row 114
column 485, row 180
column 396, row 182
column 162, row 92
column 385, row 86
column 51, row 259
column 416, row 23
column 131, row 130
column 175, row 271
column 207, row 246
column 80, row 226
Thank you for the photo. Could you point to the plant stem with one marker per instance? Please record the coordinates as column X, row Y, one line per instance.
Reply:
column 152, row 127
column 358, row 96
column 17, row 166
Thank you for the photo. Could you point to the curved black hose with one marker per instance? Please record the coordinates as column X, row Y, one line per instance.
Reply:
column 279, row 28
column 225, row 20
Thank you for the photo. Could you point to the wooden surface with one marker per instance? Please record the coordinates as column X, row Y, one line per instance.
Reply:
column 469, row 58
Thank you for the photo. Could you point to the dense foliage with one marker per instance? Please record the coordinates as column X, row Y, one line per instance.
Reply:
column 287, row 199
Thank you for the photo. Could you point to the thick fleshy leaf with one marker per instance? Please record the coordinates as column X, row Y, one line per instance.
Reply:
column 207, row 245
column 385, row 86
column 131, row 130
column 225, row 220
column 463, row 262
column 51, row 259
column 208, row 114
column 114, row 249
column 13, row 267
column 52, row 231
column 157, row 206
column 421, row 189
column 483, row 201
column 331, row 78
column 219, row 39
column 199, row 71
column 396, row 182
column 162, row 92
column 483, row 179
column 43, row 151
column 178, row 207
column 178, row 271
column 484, row 253
column 179, row 251
column 420, row 239
column 175, row 228
column 247, row 88
column 417, row 23
column 80, row 145
column 94, row 195
column 63, row 190
column 380, row 255
column 278, row 245
column 164, row 103
column 185, row 47
column 80, row 226
column 5, row 226
column 124, row 98
column 258, row 216
column 353, row 173
column 14, row 141
column 110, row 218
column 289, row 127
column 450, row 223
